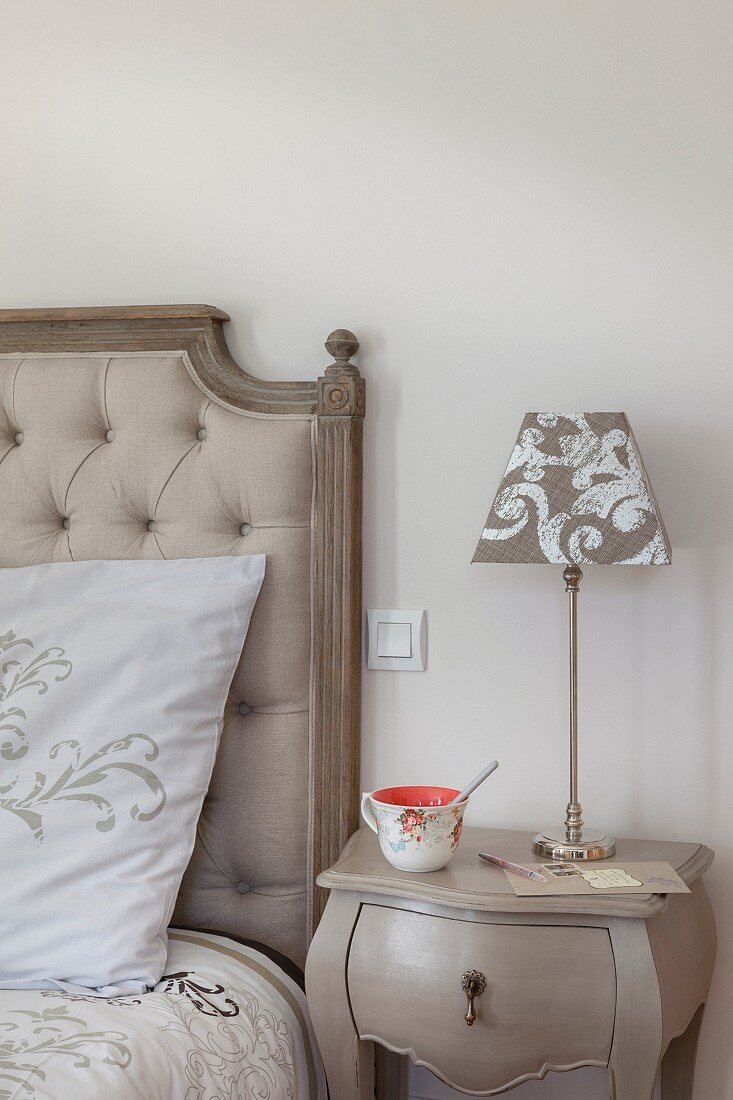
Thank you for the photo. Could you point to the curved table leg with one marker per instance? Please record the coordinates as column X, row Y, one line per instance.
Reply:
column 637, row 1038
column 628, row 1084
column 349, row 1062
column 678, row 1064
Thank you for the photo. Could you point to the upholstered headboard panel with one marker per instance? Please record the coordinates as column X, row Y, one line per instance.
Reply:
column 129, row 436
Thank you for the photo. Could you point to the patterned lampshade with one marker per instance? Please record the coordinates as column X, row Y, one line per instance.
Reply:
column 575, row 491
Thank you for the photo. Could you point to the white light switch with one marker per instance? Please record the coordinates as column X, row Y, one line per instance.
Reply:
column 396, row 640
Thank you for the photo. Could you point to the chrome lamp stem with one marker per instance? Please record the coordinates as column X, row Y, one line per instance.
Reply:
column 572, row 576
column 571, row 842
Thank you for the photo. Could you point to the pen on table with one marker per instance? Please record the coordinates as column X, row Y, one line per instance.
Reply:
column 513, row 868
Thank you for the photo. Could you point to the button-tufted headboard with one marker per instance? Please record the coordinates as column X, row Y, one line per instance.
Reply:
column 131, row 433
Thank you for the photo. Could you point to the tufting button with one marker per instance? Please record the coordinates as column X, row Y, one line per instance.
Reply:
column 109, row 436
column 244, row 887
column 245, row 529
column 66, row 523
column 19, row 437
column 152, row 525
column 244, row 709
column 201, row 434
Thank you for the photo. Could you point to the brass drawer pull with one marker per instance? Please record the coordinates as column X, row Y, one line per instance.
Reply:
column 473, row 983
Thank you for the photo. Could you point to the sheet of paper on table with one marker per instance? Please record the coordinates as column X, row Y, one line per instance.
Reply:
column 599, row 878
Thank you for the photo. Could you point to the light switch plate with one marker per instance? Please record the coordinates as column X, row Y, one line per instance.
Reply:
column 396, row 639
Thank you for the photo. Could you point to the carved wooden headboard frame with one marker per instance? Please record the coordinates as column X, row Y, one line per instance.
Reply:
column 335, row 405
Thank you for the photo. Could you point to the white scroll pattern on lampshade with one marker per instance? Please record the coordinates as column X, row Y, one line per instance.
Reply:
column 575, row 491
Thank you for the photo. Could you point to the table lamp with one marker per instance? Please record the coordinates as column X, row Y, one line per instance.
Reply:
column 575, row 492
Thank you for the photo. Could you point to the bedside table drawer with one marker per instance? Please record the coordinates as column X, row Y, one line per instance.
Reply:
column 549, row 998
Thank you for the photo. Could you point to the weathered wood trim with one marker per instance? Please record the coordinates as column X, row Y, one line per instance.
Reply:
column 109, row 313
column 336, row 612
column 196, row 330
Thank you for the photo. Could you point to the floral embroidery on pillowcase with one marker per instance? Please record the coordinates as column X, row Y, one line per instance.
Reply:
column 69, row 774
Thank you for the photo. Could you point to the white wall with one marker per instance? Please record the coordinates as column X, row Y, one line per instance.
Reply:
column 516, row 205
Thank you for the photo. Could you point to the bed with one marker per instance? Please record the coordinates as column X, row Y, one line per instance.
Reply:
column 132, row 433
column 226, row 1020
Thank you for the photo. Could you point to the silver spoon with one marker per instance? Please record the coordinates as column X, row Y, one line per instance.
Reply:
column 476, row 782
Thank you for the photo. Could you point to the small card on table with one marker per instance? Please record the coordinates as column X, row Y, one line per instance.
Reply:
column 595, row 878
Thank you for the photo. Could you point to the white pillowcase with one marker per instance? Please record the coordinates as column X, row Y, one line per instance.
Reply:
column 113, row 680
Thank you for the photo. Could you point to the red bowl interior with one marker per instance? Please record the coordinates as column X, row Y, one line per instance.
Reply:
column 415, row 796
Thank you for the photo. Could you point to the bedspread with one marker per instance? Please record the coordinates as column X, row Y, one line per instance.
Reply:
column 224, row 1023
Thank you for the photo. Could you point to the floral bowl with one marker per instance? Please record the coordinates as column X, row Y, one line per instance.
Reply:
column 417, row 829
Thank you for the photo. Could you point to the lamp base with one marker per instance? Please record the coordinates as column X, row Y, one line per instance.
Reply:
column 554, row 844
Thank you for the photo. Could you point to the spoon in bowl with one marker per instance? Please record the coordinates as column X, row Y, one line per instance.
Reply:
column 475, row 782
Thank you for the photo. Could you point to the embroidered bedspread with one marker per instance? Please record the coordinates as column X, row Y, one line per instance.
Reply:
column 224, row 1023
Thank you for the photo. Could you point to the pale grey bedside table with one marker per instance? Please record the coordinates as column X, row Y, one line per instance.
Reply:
column 574, row 981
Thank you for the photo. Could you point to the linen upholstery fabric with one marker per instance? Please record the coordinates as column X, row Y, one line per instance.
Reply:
column 113, row 681
column 575, row 491
column 110, row 444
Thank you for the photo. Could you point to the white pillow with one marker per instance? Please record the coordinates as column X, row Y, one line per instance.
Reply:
column 113, row 680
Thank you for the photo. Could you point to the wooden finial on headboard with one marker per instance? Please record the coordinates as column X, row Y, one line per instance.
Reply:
column 341, row 390
column 342, row 345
